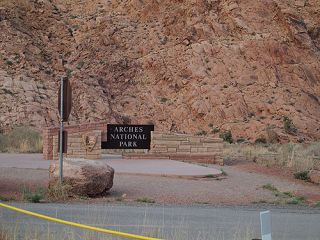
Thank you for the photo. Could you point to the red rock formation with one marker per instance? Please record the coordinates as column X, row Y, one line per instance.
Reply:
column 188, row 66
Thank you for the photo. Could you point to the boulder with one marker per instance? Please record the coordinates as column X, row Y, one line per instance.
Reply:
column 83, row 177
column 315, row 176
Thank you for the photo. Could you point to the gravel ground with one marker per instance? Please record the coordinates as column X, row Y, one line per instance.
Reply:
column 242, row 185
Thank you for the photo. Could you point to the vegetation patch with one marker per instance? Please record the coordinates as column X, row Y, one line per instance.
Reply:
column 4, row 235
column 295, row 156
column 6, row 199
column 296, row 200
column 201, row 133
column 260, row 202
column 59, row 192
column 21, row 140
column 215, row 130
column 270, row 187
column 33, row 196
column 163, row 99
column 285, row 197
column 288, row 125
column 210, row 176
column 226, row 136
column 261, row 140
column 224, row 173
column 302, row 175
column 145, row 200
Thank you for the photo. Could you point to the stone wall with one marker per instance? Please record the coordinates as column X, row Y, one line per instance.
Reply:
column 163, row 145
column 77, row 147
column 183, row 147
column 49, row 133
column 181, row 143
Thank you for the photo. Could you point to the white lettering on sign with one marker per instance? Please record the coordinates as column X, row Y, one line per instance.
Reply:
column 128, row 136
column 128, row 129
column 128, row 144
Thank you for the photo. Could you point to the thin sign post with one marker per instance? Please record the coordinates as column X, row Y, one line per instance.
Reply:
column 265, row 220
column 64, row 106
column 61, row 132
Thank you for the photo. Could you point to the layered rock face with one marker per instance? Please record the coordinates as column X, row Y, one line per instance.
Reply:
column 188, row 66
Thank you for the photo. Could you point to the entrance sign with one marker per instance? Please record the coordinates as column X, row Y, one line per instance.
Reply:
column 121, row 136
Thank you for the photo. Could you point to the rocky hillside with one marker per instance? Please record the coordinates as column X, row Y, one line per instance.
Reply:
column 187, row 65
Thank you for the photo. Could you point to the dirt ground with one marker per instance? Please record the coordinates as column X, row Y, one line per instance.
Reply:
column 243, row 184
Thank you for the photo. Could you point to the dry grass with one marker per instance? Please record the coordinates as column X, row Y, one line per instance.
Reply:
column 43, row 232
column 3, row 235
column 58, row 192
column 21, row 140
column 299, row 157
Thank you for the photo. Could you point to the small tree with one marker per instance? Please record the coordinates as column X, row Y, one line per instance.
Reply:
column 288, row 125
column 226, row 136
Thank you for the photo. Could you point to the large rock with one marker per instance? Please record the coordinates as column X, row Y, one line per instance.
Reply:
column 84, row 177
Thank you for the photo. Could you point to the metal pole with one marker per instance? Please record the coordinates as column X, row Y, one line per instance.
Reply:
column 61, row 132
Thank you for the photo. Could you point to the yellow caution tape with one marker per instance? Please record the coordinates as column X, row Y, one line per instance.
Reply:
column 79, row 225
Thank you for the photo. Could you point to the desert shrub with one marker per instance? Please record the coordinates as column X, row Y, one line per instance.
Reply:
column 270, row 187
column 226, row 136
column 296, row 200
column 302, row 175
column 201, row 133
column 33, row 196
column 21, row 140
column 288, row 125
column 215, row 130
column 261, row 139
column 163, row 99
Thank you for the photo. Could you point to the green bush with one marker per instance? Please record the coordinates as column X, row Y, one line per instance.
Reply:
column 215, row 130
column 270, row 187
column 288, row 125
column 226, row 136
column 296, row 200
column 145, row 200
column 302, row 175
column 21, row 140
column 33, row 196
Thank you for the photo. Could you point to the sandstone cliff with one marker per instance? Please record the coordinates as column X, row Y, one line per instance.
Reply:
column 187, row 65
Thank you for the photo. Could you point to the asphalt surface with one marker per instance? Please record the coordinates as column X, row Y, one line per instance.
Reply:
column 153, row 167
column 165, row 221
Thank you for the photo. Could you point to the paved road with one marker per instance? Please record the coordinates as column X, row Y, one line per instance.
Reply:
column 137, row 167
column 169, row 221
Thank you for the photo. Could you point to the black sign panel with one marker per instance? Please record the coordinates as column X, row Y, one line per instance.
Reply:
column 128, row 136
column 67, row 99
